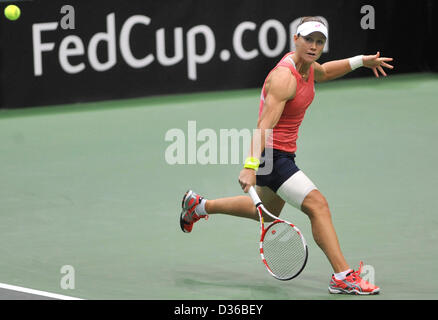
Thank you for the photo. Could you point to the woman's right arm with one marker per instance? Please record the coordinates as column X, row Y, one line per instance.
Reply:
column 280, row 87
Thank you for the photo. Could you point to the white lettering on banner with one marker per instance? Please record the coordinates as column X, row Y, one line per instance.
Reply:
column 110, row 38
column 38, row 47
column 192, row 57
column 67, row 50
column 237, row 41
column 75, row 46
column 263, row 38
column 161, row 47
column 125, row 46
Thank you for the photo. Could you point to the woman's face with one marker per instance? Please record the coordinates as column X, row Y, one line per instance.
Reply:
column 310, row 47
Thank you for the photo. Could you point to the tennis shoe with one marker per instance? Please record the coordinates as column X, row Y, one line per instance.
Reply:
column 188, row 214
column 353, row 284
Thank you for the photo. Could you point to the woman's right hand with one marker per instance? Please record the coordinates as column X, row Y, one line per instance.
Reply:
column 247, row 178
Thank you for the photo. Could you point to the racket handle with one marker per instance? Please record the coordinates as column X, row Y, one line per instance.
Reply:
column 254, row 196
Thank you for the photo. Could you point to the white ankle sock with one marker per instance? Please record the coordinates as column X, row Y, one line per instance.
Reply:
column 200, row 208
column 342, row 275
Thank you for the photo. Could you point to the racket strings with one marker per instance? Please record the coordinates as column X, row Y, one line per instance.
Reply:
column 284, row 250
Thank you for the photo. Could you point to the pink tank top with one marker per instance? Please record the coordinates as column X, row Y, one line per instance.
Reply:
column 285, row 133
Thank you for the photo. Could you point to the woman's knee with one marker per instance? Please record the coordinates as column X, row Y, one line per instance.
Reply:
column 315, row 204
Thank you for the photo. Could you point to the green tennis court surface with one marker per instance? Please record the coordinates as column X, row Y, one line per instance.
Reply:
column 88, row 186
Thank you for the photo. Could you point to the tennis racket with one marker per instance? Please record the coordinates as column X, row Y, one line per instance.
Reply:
column 283, row 248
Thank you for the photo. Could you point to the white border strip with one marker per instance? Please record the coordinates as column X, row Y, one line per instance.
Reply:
column 37, row 292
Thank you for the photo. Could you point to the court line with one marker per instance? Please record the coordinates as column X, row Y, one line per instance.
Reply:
column 37, row 292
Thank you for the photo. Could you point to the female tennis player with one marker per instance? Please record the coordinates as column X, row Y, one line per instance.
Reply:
column 287, row 93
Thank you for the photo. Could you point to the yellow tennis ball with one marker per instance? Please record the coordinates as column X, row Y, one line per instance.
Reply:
column 12, row 12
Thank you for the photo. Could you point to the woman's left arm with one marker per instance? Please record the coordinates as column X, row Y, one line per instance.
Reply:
column 338, row 68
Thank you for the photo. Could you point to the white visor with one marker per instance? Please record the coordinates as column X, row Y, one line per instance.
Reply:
column 312, row 26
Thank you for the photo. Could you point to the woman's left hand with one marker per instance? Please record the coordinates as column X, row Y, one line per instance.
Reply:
column 376, row 63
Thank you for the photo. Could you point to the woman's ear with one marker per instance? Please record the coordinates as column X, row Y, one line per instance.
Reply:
column 295, row 39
